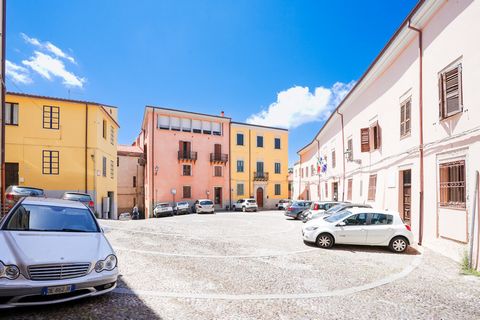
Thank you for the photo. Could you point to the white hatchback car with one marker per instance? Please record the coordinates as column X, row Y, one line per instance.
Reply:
column 204, row 206
column 360, row 226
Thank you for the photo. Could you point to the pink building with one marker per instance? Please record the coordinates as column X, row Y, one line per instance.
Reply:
column 187, row 157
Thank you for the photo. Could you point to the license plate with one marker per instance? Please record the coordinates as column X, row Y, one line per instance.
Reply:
column 57, row 290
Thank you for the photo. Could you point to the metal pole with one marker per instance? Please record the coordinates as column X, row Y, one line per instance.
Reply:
column 2, row 103
column 472, row 226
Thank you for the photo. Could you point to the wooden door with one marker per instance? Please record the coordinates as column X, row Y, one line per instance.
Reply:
column 11, row 174
column 406, row 195
column 260, row 197
column 218, row 149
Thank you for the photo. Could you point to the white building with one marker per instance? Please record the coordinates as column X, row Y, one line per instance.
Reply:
column 421, row 91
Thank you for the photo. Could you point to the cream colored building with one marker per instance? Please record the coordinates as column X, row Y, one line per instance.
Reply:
column 131, row 165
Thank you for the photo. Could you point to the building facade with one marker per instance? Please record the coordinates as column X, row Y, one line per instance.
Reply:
column 259, row 166
column 131, row 165
column 187, row 157
column 407, row 135
column 63, row 145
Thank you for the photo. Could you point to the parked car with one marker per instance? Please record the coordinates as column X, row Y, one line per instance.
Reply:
column 336, row 209
column 283, row 204
column 181, row 207
column 296, row 210
column 84, row 198
column 163, row 209
column 246, row 205
column 15, row 193
column 52, row 251
column 360, row 226
column 318, row 207
column 203, row 206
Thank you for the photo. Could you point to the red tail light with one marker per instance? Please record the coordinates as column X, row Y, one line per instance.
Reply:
column 90, row 204
column 316, row 206
column 290, row 209
column 9, row 196
column 408, row 227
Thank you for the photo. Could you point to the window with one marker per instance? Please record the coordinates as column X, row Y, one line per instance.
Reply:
column 350, row 187
column 51, row 117
column 216, row 129
column 175, row 124
column 134, row 181
column 104, row 166
column 11, row 113
column 277, row 167
column 370, row 138
column 334, row 159
column 118, row 161
column 197, row 126
column 356, row 220
column 112, row 135
column 452, row 184
column 50, row 162
column 306, row 172
column 326, row 189
column 187, row 192
column 239, row 139
column 217, row 171
column 312, row 169
column 302, row 172
column 380, row 218
column 163, row 122
column 240, row 165
column 186, row 125
column 187, row 170
column 450, row 92
column 405, row 110
column 260, row 167
column 240, row 189
column 207, row 127
column 259, row 141
column 277, row 143
column 112, row 170
column 278, row 189
column 350, row 149
column 372, row 187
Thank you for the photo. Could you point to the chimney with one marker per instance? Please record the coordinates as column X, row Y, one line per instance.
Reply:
column 222, row 114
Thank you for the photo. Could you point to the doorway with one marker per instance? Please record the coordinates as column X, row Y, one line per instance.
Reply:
column 111, row 197
column 11, row 174
column 335, row 191
column 260, row 197
column 217, row 196
column 405, row 195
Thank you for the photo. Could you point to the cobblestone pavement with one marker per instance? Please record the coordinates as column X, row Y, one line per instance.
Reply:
column 256, row 266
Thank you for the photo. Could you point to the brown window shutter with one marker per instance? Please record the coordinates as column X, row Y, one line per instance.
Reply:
column 379, row 136
column 365, row 139
column 180, row 147
column 460, row 86
column 189, row 147
column 441, row 100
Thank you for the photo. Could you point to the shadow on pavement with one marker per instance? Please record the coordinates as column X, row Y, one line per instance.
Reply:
column 411, row 251
column 108, row 306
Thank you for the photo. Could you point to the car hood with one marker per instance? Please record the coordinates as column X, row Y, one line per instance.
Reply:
column 316, row 223
column 25, row 248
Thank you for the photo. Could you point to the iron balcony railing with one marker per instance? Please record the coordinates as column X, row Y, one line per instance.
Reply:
column 260, row 176
column 187, row 155
column 218, row 157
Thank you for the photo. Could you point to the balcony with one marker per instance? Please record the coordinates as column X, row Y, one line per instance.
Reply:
column 218, row 157
column 187, row 155
column 260, row 176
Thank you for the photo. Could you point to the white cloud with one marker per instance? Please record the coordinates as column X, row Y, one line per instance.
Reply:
column 16, row 73
column 297, row 105
column 48, row 47
column 48, row 67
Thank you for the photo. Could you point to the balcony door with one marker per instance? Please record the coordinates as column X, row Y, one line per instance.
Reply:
column 259, row 169
column 185, row 148
column 217, row 150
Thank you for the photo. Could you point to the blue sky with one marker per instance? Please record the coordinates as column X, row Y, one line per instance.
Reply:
column 274, row 62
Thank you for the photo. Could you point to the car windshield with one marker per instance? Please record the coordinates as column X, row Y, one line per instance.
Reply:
column 335, row 209
column 182, row 203
column 251, row 201
column 29, row 217
column 206, row 203
column 338, row 217
column 163, row 205
column 298, row 204
column 33, row 192
column 77, row 197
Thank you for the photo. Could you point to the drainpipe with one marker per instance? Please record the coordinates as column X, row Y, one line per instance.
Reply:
column 343, row 156
column 153, row 160
column 300, row 179
column 4, row 88
column 318, row 157
column 472, row 225
column 420, row 113
column 86, row 147
column 250, row 164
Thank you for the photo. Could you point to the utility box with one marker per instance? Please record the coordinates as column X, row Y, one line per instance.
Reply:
column 105, row 207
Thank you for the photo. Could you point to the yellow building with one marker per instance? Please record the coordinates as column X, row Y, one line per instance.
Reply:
column 259, row 163
column 62, row 145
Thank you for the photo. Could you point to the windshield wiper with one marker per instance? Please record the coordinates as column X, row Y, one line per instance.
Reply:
column 71, row 230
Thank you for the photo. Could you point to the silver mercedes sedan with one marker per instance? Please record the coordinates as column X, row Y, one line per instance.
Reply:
column 53, row 251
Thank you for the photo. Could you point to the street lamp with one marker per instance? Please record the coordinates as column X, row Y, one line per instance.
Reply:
column 156, row 170
column 208, row 193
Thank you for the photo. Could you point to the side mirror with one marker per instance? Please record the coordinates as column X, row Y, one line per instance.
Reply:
column 341, row 224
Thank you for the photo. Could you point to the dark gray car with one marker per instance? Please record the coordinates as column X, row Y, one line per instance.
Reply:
column 297, row 208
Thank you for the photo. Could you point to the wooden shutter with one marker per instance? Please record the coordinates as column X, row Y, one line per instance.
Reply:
column 365, row 139
column 441, row 97
column 218, row 148
column 188, row 145
column 379, row 136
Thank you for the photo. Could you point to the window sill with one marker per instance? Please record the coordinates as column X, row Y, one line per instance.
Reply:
column 405, row 136
column 451, row 115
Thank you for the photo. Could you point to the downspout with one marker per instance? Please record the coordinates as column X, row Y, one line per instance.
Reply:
column 4, row 88
column 153, row 159
column 86, row 147
column 300, row 179
column 343, row 156
column 250, row 164
column 230, row 164
column 420, row 112
column 472, row 224
column 318, row 158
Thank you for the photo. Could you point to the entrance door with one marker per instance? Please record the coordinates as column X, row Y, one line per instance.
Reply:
column 111, row 196
column 11, row 174
column 405, row 195
column 335, row 191
column 260, row 197
column 217, row 196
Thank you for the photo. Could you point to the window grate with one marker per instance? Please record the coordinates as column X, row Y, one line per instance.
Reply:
column 452, row 184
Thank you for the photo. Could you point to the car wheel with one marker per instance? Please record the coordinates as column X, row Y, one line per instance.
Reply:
column 244, row 209
column 325, row 240
column 398, row 244
column 254, row 210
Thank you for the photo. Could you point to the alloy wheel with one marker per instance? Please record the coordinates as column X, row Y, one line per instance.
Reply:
column 399, row 245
